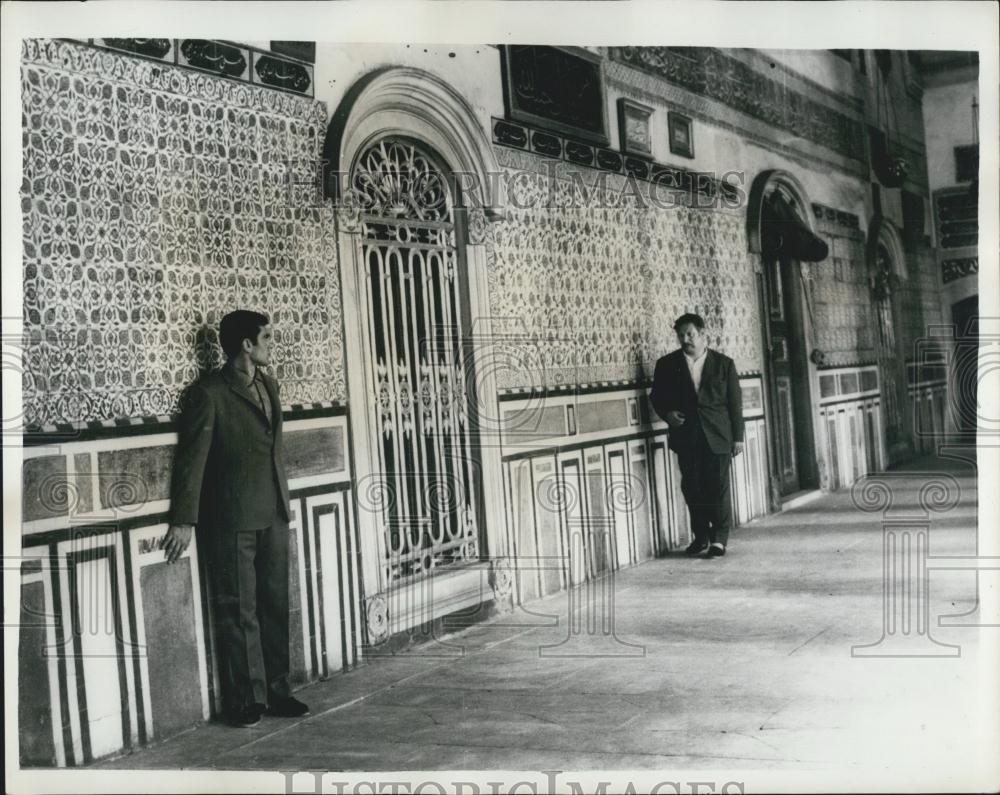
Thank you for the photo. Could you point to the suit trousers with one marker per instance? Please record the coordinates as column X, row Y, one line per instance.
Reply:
column 705, row 485
column 249, row 570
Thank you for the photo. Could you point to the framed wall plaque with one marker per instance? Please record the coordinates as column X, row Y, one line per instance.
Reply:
column 633, row 128
column 681, row 137
column 556, row 88
column 303, row 50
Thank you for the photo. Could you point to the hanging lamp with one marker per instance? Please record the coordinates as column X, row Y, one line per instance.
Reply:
column 887, row 162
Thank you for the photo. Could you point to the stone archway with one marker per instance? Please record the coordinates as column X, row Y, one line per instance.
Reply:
column 790, row 377
column 409, row 109
column 886, row 262
column 413, row 103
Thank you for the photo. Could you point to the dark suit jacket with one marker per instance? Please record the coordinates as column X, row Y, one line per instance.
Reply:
column 229, row 472
column 718, row 404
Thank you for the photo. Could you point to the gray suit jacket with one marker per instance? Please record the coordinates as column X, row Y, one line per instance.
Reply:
column 229, row 472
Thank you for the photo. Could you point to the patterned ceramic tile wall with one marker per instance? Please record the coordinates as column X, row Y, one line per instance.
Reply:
column 596, row 288
column 843, row 324
column 921, row 298
column 155, row 200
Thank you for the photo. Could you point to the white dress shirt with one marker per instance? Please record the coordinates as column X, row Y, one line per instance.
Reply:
column 695, row 366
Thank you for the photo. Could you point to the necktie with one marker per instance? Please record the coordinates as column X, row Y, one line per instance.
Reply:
column 265, row 404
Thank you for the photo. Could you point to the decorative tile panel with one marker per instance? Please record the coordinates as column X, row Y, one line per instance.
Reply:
column 155, row 200
column 843, row 325
column 597, row 286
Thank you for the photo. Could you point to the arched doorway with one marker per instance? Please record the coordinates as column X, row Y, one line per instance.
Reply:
column 412, row 249
column 415, row 307
column 780, row 231
column 887, row 271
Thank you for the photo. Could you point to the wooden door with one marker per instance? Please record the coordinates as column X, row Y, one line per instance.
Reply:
column 780, row 334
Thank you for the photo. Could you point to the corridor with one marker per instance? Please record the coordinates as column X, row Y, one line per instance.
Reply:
column 743, row 662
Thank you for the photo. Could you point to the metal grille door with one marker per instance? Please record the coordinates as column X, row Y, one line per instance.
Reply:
column 417, row 362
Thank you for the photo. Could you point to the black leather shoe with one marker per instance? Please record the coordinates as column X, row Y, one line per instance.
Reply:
column 716, row 551
column 247, row 716
column 696, row 548
column 289, row 707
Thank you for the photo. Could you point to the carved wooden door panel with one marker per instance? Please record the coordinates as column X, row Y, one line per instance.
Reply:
column 782, row 387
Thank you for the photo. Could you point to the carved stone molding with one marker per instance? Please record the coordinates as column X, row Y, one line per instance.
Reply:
column 719, row 76
column 174, row 79
column 377, row 618
column 478, row 229
column 646, row 87
column 233, row 61
column 502, row 582
column 952, row 269
column 348, row 214
column 417, row 104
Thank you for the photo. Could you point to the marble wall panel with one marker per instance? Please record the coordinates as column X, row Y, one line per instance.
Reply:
column 134, row 475
column 43, row 488
column 314, row 451
column 601, row 415
column 171, row 647
column 37, row 746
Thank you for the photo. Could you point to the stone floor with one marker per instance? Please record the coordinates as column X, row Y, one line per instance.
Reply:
column 738, row 663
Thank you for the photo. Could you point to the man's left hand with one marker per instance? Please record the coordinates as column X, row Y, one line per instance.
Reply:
column 737, row 448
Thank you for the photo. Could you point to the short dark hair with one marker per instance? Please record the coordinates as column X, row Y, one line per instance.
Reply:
column 689, row 317
column 240, row 325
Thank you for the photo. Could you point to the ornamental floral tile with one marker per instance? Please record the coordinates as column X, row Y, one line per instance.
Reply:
column 176, row 183
column 50, row 228
column 49, row 165
column 182, row 239
column 61, row 293
column 272, row 139
column 173, row 124
column 94, row 109
column 139, row 178
column 245, row 187
column 243, row 136
column 141, row 236
column 98, row 172
column 275, row 191
column 209, row 130
column 213, row 186
column 137, row 121
column 217, row 240
column 101, row 231
column 48, row 107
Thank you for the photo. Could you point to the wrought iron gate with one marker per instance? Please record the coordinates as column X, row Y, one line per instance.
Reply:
column 417, row 359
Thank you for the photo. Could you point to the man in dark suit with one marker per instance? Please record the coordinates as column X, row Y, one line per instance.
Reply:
column 229, row 480
column 696, row 391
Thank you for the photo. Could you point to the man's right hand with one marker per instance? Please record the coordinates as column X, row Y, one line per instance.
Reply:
column 675, row 419
column 176, row 541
